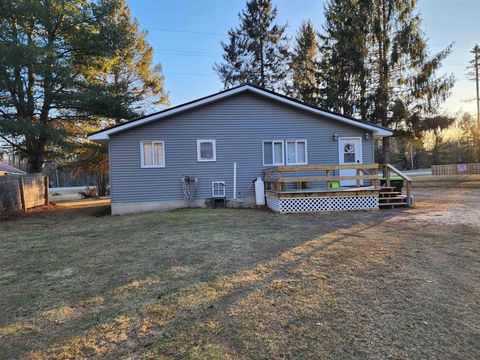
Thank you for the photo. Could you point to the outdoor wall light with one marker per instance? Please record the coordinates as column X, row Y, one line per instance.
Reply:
column 335, row 136
column 367, row 136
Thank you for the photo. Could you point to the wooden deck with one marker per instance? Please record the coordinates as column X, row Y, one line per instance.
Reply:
column 320, row 190
column 344, row 191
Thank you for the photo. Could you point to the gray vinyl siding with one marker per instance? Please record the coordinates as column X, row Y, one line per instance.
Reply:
column 239, row 124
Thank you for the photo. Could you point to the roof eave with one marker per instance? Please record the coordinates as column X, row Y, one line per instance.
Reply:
column 99, row 137
column 383, row 133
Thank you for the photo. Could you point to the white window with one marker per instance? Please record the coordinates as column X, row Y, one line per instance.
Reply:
column 152, row 154
column 218, row 189
column 206, row 150
column 296, row 152
column 273, row 152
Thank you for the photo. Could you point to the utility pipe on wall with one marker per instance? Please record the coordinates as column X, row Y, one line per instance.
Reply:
column 234, row 180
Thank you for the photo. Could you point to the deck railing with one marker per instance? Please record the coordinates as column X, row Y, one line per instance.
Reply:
column 388, row 169
column 275, row 177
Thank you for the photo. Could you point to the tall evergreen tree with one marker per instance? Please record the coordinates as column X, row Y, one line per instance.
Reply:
column 304, row 65
column 406, row 89
column 344, row 57
column 257, row 50
column 403, row 88
column 51, row 55
column 132, row 85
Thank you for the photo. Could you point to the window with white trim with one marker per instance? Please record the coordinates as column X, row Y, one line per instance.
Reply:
column 273, row 152
column 206, row 150
column 218, row 189
column 152, row 154
column 296, row 152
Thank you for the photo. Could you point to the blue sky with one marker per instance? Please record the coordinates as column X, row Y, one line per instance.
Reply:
column 186, row 35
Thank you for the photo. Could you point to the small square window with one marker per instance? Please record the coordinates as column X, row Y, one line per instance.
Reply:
column 206, row 150
column 152, row 154
column 218, row 189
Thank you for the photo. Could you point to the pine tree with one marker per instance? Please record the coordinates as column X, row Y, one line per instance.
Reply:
column 257, row 50
column 51, row 55
column 406, row 88
column 304, row 65
column 344, row 57
column 392, row 67
column 132, row 86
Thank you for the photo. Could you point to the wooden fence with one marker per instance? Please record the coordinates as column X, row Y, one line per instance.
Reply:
column 22, row 192
column 456, row 169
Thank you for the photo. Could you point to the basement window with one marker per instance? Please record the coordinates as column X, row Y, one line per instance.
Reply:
column 218, row 189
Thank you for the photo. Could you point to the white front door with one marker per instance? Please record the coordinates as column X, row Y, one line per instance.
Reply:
column 349, row 152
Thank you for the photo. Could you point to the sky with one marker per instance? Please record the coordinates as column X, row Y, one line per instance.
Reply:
column 186, row 36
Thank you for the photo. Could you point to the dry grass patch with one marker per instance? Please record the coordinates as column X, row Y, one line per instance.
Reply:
column 242, row 284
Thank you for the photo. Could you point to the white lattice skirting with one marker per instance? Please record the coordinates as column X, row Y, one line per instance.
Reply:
column 300, row 205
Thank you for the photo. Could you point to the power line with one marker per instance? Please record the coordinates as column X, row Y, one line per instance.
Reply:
column 189, row 74
column 186, row 31
column 190, row 51
column 180, row 54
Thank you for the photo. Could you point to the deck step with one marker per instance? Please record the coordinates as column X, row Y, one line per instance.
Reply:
column 389, row 198
column 387, row 188
column 395, row 204
column 384, row 200
column 389, row 194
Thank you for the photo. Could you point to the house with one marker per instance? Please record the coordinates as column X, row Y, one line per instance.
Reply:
column 6, row 169
column 217, row 145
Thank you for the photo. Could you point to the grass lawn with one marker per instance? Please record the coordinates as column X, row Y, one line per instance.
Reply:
column 242, row 284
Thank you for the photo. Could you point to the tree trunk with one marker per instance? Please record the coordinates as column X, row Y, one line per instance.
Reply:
column 101, row 182
column 262, row 66
column 35, row 156
column 384, row 76
column 386, row 149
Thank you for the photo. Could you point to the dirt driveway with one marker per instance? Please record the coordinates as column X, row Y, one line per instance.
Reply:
column 245, row 284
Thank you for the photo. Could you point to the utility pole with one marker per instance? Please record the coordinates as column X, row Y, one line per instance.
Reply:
column 476, row 51
column 478, row 91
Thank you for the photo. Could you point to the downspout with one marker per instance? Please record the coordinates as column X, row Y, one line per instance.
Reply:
column 234, row 180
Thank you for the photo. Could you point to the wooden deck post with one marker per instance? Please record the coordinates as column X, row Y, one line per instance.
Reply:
column 409, row 193
column 358, row 179
column 376, row 181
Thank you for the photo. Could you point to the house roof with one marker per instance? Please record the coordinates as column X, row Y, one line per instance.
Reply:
column 104, row 134
column 10, row 169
